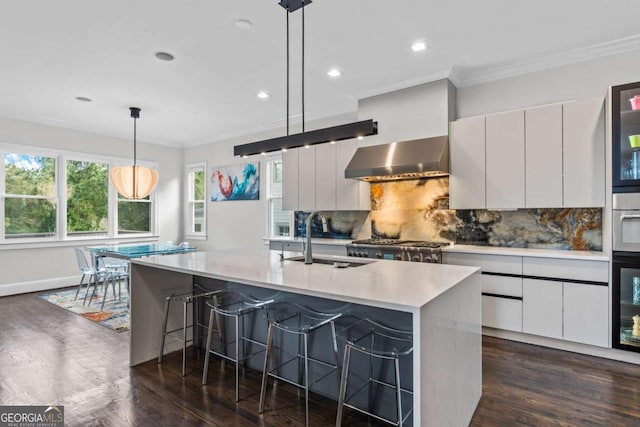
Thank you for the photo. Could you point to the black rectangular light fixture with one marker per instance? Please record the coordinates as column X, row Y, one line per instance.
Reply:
column 313, row 137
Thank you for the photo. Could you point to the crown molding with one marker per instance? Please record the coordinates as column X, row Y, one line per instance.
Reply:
column 486, row 74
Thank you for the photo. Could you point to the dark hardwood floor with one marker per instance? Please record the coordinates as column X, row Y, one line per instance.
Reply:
column 50, row 356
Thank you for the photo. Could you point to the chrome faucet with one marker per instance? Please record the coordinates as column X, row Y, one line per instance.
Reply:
column 308, row 255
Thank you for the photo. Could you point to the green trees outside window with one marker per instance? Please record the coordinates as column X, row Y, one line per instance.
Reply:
column 30, row 196
column 33, row 202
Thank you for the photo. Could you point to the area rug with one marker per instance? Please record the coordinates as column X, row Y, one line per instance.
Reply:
column 115, row 315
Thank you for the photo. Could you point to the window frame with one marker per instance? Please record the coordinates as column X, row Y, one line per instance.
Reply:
column 61, row 236
column 270, row 198
column 190, row 202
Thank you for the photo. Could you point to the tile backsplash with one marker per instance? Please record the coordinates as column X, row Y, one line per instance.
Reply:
column 419, row 210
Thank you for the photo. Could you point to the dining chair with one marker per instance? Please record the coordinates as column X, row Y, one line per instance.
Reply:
column 86, row 270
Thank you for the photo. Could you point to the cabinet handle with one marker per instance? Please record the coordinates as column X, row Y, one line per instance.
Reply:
column 623, row 217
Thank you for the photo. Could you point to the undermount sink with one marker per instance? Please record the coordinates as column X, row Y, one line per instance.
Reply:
column 333, row 262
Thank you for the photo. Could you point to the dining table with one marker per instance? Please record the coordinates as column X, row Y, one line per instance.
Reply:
column 131, row 251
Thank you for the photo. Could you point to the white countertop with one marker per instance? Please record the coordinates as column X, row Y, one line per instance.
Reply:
column 404, row 286
column 528, row 252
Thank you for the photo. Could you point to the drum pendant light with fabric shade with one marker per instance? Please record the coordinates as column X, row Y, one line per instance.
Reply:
column 134, row 182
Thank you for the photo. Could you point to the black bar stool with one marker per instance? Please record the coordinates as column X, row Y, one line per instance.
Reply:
column 301, row 321
column 236, row 306
column 380, row 342
column 185, row 299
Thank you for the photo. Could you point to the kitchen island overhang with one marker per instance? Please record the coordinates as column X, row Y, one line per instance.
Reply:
column 443, row 300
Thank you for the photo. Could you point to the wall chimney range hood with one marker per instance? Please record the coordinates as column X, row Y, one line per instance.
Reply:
column 419, row 158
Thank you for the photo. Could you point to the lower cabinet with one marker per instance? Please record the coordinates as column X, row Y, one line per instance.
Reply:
column 542, row 308
column 502, row 313
column 576, row 312
column 586, row 314
column 565, row 299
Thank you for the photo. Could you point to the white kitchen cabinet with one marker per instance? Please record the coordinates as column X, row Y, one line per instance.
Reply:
column 504, row 148
column 542, row 307
column 325, row 180
column 351, row 194
column 543, row 159
column 467, row 154
column 502, row 313
column 584, row 153
column 290, row 180
column 586, row 313
column 313, row 179
column 307, row 178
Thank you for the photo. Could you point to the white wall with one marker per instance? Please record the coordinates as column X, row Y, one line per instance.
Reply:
column 239, row 224
column 583, row 80
column 25, row 270
column 412, row 113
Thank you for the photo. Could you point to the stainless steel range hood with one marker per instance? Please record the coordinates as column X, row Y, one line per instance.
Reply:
column 418, row 158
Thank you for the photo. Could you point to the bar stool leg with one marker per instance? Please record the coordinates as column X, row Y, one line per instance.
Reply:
column 343, row 385
column 238, row 338
column 306, row 379
column 265, row 372
column 207, row 353
column 164, row 328
column 396, row 364
column 335, row 351
column 184, row 337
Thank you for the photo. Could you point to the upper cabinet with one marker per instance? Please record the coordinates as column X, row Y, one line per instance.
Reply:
column 545, row 157
column 583, row 153
column 504, row 151
column 313, row 179
column 466, row 153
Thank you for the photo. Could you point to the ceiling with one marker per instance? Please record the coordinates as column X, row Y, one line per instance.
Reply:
column 55, row 51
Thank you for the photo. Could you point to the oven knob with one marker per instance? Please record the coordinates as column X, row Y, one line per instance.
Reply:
column 378, row 255
column 398, row 257
column 416, row 258
column 350, row 253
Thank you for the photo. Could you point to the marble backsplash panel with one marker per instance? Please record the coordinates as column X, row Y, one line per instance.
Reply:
column 418, row 210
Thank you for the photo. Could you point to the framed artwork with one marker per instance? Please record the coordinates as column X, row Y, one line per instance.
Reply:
column 235, row 182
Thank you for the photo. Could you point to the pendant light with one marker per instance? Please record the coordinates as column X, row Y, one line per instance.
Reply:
column 134, row 182
column 319, row 136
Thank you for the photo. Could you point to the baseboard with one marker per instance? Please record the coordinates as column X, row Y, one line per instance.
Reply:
column 607, row 353
column 37, row 285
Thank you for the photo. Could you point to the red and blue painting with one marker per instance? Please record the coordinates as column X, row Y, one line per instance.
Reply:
column 235, row 182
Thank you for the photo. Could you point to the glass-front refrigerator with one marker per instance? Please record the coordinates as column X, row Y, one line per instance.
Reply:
column 626, row 302
column 625, row 142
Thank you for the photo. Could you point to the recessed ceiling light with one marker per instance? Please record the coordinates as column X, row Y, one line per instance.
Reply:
column 83, row 99
column 263, row 95
column 419, row 46
column 244, row 24
column 332, row 142
column 284, row 150
column 165, row 56
column 360, row 138
column 334, row 72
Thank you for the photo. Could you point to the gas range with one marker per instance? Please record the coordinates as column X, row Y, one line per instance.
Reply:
column 401, row 250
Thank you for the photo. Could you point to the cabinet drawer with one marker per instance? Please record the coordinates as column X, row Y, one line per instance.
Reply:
column 502, row 285
column 572, row 269
column 506, row 264
column 502, row 313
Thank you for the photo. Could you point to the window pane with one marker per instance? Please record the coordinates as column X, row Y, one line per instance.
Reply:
column 198, row 217
column 29, row 217
column 279, row 219
column 198, row 185
column 133, row 217
column 87, row 197
column 30, row 175
column 275, row 189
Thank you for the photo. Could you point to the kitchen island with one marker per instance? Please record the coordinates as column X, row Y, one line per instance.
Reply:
column 443, row 301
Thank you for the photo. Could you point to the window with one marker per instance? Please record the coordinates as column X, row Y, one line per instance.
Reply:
column 280, row 222
column 196, row 200
column 30, row 199
column 87, row 198
column 48, row 195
